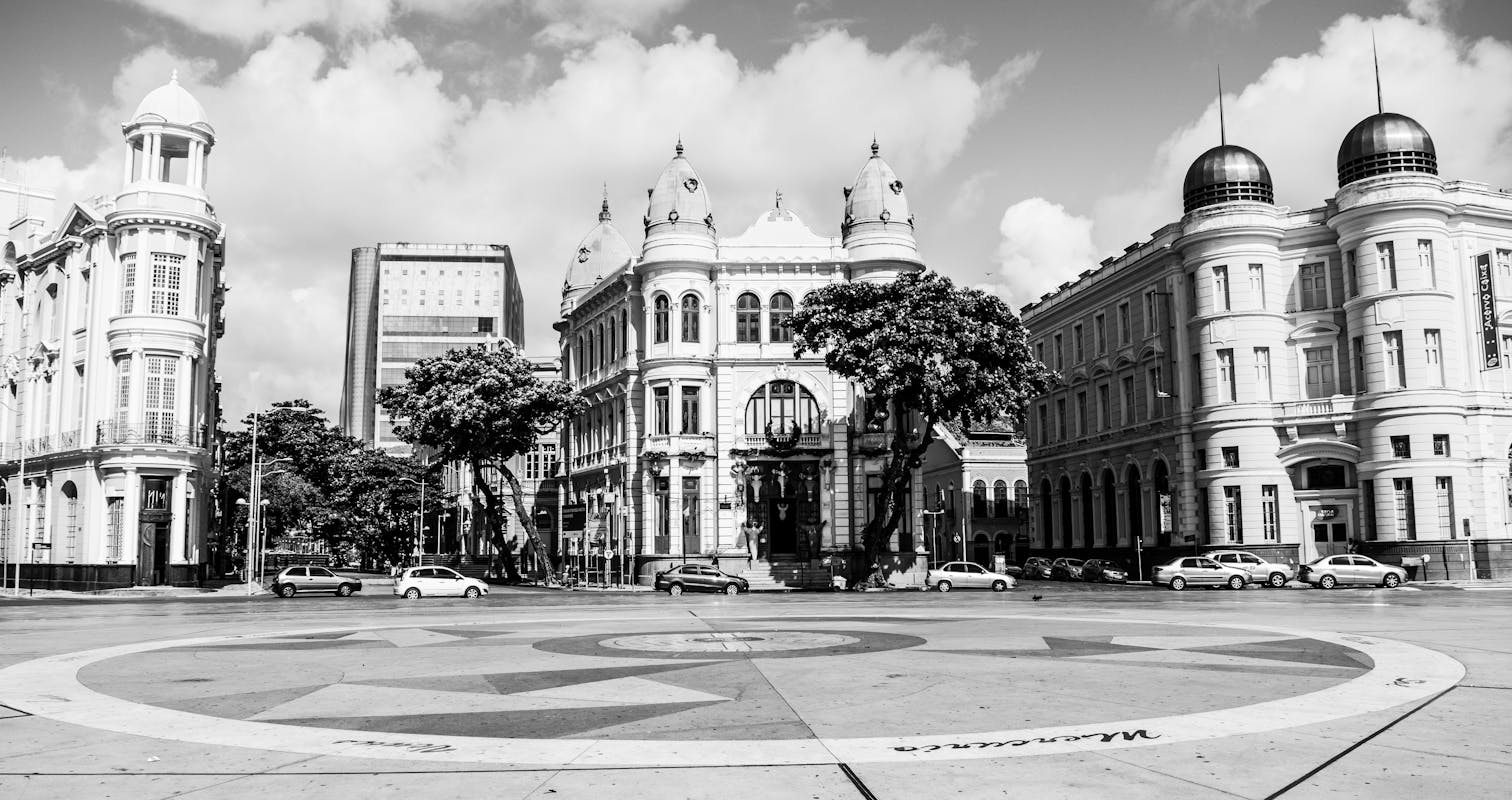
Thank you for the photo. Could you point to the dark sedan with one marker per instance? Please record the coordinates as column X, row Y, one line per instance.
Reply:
column 1102, row 570
column 699, row 578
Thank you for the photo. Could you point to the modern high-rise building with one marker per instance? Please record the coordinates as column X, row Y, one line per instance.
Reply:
column 108, row 400
column 413, row 301
column 1297, row 383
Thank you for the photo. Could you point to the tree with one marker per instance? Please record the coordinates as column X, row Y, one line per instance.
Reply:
column 482, row 406
column 919, row 346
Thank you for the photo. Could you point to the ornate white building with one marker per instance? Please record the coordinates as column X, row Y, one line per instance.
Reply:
column 702, row 418
column 108, row 331
column 1289, row 382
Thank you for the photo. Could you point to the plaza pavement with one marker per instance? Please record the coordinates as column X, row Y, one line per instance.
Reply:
column 1107, row 691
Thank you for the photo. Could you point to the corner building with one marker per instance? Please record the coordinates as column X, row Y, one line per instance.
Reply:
column 1288, row 382
column 701, row 418
column 109, row 335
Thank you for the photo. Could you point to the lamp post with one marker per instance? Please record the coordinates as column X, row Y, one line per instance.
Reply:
column 254, row 491
column 417, row 548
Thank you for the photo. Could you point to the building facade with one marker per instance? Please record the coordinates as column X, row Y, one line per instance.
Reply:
column 976, row 490
column 109, row 335
column 1295, row 383
column 706, row 435
column 412, row 301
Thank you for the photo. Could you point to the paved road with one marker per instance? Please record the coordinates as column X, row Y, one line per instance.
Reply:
column 1110, row 691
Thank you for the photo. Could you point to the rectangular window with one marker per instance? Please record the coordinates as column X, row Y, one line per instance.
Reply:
column 1262, row 373
column 1401, row 446
column 128, row 283
column 1201, row 459
column 1077, row 350
column 123, row 393
column 1441, row 444
column 1124, row 334
column 1358, row 344
column 1319, row 369
column 1257, row 284
column 1386, row 274
column 1433, row 357
column 1504, row 264
column 1220, row 289
column 1197, row 396
column 1044, row 424
column 663, row 412
column 1351, row 272
column 1368, row 512
column 1227, row 387
column 1060, row 353
column 115, row 526
column 1270, row 514
column 1233, row 515
column 159, row 398
column 1104, row 408
column 1060, row 419
column 1082, row 422
column 1127, row 411
column 690, row 410
column 1443, row 490
column 1425, row 262
column 1231, row 457
column 1396, row 367
column 1100, row 326
column 1151, row 314
column 1312, row 282
column 1406, row 522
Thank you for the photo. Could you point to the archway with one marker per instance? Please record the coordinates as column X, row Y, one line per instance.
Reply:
column 1110, row 508
column 1088, row 527
column 1136, row 504
column 981, row 551
column 1065, row 515
column 1047, row 530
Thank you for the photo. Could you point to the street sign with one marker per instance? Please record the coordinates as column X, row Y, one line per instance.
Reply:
column 574, row 516
column 41, row 545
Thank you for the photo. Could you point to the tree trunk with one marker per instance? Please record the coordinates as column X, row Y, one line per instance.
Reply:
column 534, row 549
column 492, row 519
column 887, row 512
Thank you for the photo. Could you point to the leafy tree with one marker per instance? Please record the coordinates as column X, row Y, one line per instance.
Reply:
column 919, row 346
column 482, row 406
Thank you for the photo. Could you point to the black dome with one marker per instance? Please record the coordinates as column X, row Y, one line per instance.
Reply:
column 1225, row 174
column 1385, row 143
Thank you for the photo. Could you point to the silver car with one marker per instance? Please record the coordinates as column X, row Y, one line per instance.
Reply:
column 1260, row 571
column 1330, row 571
column 966, row 575
column 302, row 580
column 1197, row 571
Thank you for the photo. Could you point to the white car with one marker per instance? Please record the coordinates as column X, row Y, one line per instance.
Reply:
column 1260, row 571
column 416, row 582
column 966, row 575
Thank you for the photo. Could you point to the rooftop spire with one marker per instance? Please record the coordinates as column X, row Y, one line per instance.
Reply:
column 1380, row 106
column 604, row 208
column 679, row 144
column 779, row 198
column 874, row 144
column 174, row 77
column 1222, row 130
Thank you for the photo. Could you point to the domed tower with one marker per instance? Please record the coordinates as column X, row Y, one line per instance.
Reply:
column 602, row 252
column 1225, row 174
column 679, row 218
column 878, row 229
column 1385, row 143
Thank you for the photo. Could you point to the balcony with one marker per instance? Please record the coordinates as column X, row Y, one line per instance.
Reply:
column 759, row 441
column 696, row 444
column 107, row 434
column 1321, row 409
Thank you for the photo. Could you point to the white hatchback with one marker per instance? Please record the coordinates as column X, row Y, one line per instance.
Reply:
column 416, row 582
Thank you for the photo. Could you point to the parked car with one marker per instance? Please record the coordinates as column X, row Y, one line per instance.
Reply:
column 1102, row 570
column 1197, row 571
column 1066, row 569
column 1260, row 571
column 303, row 580
column 699, row 577
column 417, row 582
column 1330, row 571
column 966, row 575
column 1037, row 568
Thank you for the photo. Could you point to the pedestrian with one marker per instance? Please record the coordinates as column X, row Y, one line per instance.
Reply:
column 716, row 560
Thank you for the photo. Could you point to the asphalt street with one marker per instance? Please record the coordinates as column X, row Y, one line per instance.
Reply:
column 1116, row 691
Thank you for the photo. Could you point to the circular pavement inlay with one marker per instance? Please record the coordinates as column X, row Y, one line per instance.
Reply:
column 731, row 644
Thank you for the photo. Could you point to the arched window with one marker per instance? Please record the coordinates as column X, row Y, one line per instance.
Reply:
column 591, row 363
column 979, row 499
column 1020, row 498
column 781, row 314
column 748, row 318
column 603, row 348
column 783, row 404
column 660, row 322
column 1000, row 499
column 582, row 350
column 625, row 333
column 690, row 318
column 613, row 349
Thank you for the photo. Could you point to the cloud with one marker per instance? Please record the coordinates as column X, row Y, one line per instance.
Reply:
column 1294, row 115
column 1185, row 13
column 1042, row 246
column 324, row 148
column 1010, row 75
column 578, row 22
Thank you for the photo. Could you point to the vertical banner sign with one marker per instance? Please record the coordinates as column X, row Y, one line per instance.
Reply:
column 1486, row 304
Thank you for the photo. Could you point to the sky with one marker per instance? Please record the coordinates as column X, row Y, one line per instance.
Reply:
column 1035, row 138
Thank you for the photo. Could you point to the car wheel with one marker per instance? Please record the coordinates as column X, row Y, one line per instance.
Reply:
column 731, row 589
column 943, row 586
column 1276, row 580
column 1391, row 580
column 675, row 589
column 1327, row 582
column 1235, row 582
column 1178, row 583
column 286, row 590
column 999, row 586
column 472, row 593
column 412, row 593
column 344, row 590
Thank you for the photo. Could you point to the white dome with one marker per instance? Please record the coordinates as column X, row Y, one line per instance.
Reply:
column 602, row 252
column 173, row 104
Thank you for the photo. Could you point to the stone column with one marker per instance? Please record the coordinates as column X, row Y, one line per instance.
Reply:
column 178, row 509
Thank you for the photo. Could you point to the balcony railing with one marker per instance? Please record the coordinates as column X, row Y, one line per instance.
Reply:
column 679, row 443
column 759, row 441
column 1319, row 407
column 106, row 434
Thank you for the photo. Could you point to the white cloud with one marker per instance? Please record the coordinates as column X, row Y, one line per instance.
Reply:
column 322, row 150
column 578, row 22
column 1187, row 12
column 1009, row 76
column 1043, row 245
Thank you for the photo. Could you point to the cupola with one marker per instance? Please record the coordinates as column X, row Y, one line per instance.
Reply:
column 679, row 221
column 877, row 221
column 602, row 253
column 1385, row 143
column 1225, row 174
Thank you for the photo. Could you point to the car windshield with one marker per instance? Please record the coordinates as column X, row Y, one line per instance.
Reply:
column 1073, row 562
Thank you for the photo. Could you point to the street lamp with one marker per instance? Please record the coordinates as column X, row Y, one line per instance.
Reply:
column 418, row 545
column 254, row 490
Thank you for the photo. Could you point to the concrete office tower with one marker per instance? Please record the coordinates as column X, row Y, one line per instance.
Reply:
column 108, row 333
column 412, row 301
